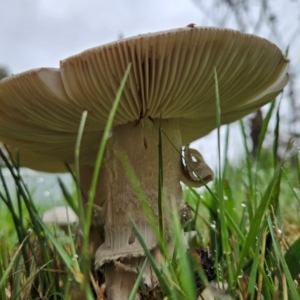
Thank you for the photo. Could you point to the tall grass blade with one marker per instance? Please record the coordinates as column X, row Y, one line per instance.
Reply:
column 223, row 227
column 160, row 184
column 24, row 196
column 68, row 197
column 138, row 281
column 265, row 128
column 77, row 170
column 226, row 168
column 71, row 264
column 290, row 185
column 292, row 258
column 254, row 265
column 257, row 220
column 10, row 266
column 186, row 274
column 29, row 281
column 249, row 172
column 280, row 257
column 163, row 283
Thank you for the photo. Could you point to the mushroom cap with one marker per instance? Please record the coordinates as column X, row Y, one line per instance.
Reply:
column 60, row 215
column 171, row 76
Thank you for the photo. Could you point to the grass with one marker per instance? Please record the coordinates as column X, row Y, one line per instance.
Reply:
column 247, row 220
column 262, row 233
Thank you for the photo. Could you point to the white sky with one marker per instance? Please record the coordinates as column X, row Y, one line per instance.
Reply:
column 40, row 33
column 36, row 33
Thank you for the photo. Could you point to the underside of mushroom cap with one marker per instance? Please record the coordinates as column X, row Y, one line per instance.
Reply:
column 37, row 117
column 172, row 76
column 37, row 161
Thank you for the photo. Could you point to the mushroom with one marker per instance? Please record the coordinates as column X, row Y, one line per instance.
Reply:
column 61, row 216
column 171, row 86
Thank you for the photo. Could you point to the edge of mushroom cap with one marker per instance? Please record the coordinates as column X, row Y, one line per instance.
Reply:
column 38, row 161
column 168, row 31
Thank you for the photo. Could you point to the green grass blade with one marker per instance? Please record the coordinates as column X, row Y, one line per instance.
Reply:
column 30, row 278
column 249, row 171
column 292, row 258
column 163, row 283
column 223, row 227
column 226, row 168
column 291, row 187
column 287, row 274
column 265, row 128
column 232, row 223
column 68, row 197
column 230, row 204
column 254, row 266
column 160, row 184
column 260, row 213
column 186, row 274
column 77, row 170
column 10, row 266
column 241, row 236
column 71, row 264
column 138, row 281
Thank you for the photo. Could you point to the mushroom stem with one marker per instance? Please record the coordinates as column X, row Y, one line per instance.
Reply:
column 119, row 281
column 139, row 142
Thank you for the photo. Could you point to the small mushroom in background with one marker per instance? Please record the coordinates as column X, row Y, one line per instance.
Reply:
column 171, row 85
column 61, row 216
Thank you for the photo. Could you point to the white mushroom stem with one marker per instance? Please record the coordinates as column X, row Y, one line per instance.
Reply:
column 116, row 202
column 139, row 141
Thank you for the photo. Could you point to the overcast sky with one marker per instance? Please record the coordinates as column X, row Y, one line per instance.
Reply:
column 36, row 33
column 40, row 33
